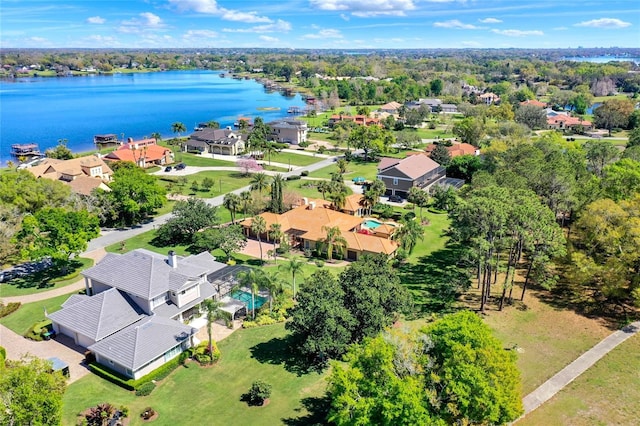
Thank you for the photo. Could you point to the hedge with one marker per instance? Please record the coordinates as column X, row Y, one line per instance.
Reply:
column 131, row 384
column 145, row 389
column 8, row 309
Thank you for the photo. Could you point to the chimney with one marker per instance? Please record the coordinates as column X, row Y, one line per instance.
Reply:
column 312, row 205
column 305, row 201
column 172, row 259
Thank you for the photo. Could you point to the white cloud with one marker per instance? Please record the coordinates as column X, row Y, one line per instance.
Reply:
column 518, row 33
column 147, row 21
column 199, row 35
column 366, row 8
column 490, row 20
column 210, row 7
column 96, row 20
column 326, row 33
column 454, row 23
column 470, row 43
column 278, row 26
column 561, row 28
column 610, row 23
column 344, row 17
column 269, row 39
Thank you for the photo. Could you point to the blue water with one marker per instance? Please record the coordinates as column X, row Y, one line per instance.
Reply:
column 46, row 109
column 245, row 298
column 602, row 59
column 372, row 224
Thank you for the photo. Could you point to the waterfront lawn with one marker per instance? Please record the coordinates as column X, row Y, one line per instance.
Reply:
column 224, row 182
column 307, row 188
column 200, row 161
column 29, row 313
column 45, row 280
column 196, row 395
column 607, row 393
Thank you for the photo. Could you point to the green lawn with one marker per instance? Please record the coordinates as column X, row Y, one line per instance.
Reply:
column 608, row 393
column 45, row 280
column 30, row 313
column 197, row 395
column 224, row 182
column 435, row 133
column 290, row 158
column 354, row 168
column 199, row 161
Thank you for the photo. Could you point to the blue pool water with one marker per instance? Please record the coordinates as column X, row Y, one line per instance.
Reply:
column 245, row 297
column 372, row 224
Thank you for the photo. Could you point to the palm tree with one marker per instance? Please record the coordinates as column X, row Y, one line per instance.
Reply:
column 259, row 182
column 295, row 266
column 259, row 227
column 269, row 149
column 252, row 279
column 324, row 187
column 232, row 202
column 245, row 199
column 157, row 136
column 342, row 166
column 378, row 187
column 214, row 313
column 273, row 284
column 369, row 200
column 418, row 197
column 178, row 127
column 338, row 199
column 275, row 233
column 333, row 239
column 409, row 234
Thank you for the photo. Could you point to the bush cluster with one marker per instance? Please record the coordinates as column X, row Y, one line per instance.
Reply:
column 201, row 353
column 145, row 389
column 131, row 384
column 8, row 309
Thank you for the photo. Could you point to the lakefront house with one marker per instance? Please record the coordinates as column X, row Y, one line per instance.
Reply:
column 82, row 174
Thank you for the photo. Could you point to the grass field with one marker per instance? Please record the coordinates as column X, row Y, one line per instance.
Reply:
column 199, row 161
column 196, row 395
column 606, row 394
column 30, row 313
column 224, row 182
column 291, row 158
column 366, row 170
column 45, row 280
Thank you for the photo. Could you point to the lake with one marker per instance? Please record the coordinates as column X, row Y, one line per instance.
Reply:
column 602, row 59
column 46, row 109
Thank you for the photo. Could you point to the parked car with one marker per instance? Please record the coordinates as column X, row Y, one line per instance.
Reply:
column 181, row 166
column 168, row 169
column 395, row 198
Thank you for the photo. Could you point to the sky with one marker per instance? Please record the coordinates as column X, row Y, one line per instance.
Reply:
column 320, row 24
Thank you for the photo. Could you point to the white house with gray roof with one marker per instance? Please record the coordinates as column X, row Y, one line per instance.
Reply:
column 133, row 316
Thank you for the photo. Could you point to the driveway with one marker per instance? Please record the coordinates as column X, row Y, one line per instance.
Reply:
column 61, row 347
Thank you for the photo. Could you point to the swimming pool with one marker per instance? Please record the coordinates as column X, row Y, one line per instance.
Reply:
column 245, row 297
column 371, row 223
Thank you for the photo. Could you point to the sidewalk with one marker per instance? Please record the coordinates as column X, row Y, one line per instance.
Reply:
column 565, row 376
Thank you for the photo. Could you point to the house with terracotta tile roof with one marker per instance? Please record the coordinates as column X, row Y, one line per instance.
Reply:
column 534, row 102
column 391, row 107
column 399, row 175
column 455, row 150
column 360, row 120
column 134, row 314
column 305, row 227
column 567, row 122
column 145, row 153
column 489, row 98
column 82, row 174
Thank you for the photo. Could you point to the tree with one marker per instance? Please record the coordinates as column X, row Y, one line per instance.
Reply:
column 248, row 165
column 632, row 153
column 333, row 240
column 324, row 186
column 232, row 202
column 477, row 381
column 338, row 199
column 599, row 153
column 276, row 234
column 418, row 197
column 252, row 280
column 341, row 164
column 178, row 127
column 441, row 155
column 213, row 313
column 371, row 139
column 157, row 136
column 320, row 322
column 464, row 166
column 134, row 194
column 621, row 179
column 436, row 87
column 245, row 199
column 60, row 152
column 259, row 182
column 444, row 198
column 295, row 266
column 277, row 183
column 188, row 218
column 470, row 130
column 408, row 234
column 407, row 139
column 532, row 116
column 58, row 233
column 259, row 227
column 634, row 137
column 613, row 113
column 30, row 394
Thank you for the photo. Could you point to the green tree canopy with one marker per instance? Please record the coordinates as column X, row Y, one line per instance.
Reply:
column 30, row 394
column 188, row 218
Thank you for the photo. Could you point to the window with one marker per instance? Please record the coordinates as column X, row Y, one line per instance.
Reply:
column 395, row 181
column 172, row 353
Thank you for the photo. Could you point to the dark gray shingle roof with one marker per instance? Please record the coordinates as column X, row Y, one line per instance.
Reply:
column 143, row 341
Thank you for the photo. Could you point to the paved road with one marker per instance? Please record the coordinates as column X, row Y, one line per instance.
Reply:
column 565, row 376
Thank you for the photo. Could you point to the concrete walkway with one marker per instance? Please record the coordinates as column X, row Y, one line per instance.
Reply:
column 565, row 376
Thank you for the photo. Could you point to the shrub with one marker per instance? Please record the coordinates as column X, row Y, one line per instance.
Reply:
column 112, row 376
column 8, row 309
column 319, row 263
column 293, row 177
column 303, row 144
column 145, row 389
column 258, row 392
column 202, row 355
column 147, row 413
column 304, row 173
column 36, row 330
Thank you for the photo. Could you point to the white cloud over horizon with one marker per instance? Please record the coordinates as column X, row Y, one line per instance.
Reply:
column 609, row 23
column 96, row 20
column 454, row 23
